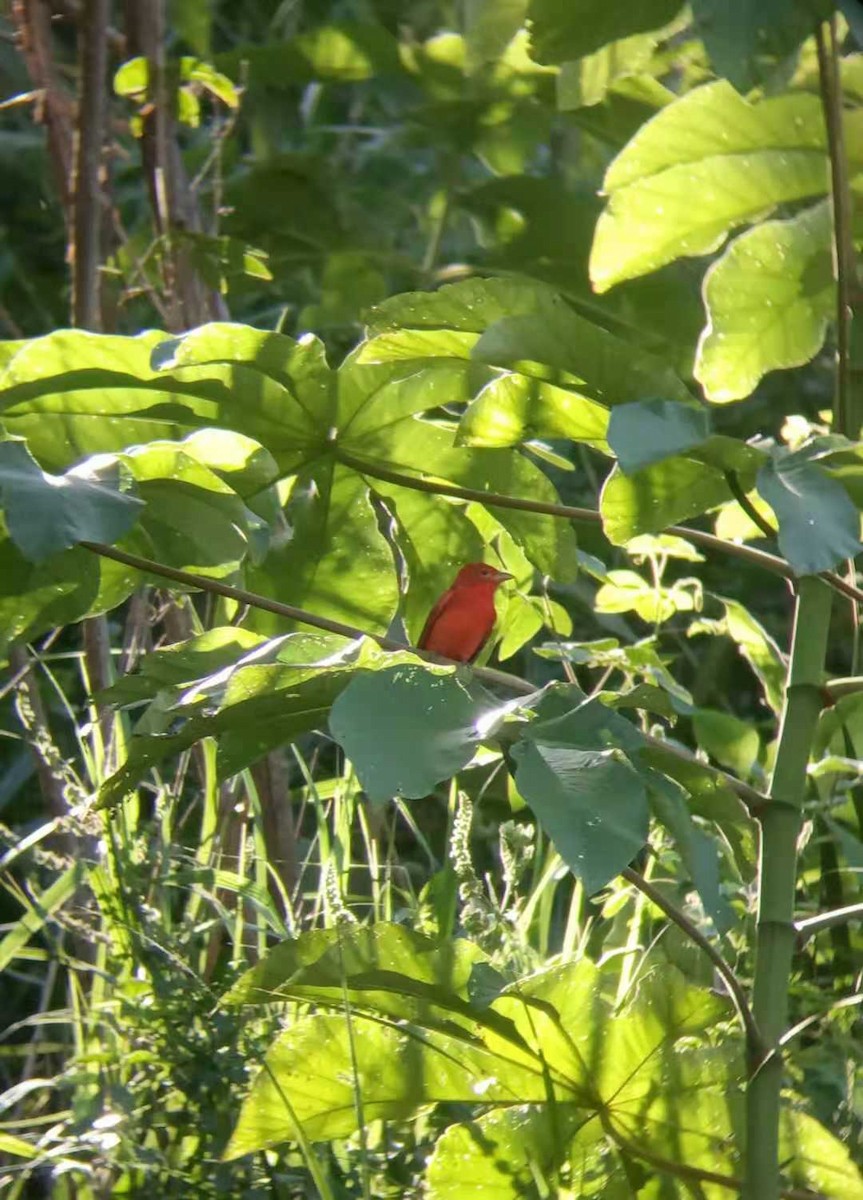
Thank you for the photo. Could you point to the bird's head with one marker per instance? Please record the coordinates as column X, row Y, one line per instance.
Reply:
column 480, row 575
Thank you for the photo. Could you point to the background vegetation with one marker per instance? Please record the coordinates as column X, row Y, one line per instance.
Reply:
column 305, row 305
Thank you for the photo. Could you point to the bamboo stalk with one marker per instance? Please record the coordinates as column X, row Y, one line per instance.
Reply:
column 781, row 820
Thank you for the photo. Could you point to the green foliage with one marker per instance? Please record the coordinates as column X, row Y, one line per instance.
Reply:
column 396, row 702
column 561, row 31
column 768, row 298
column 745, row 46
column 426, row 928
column 818, row 524
column 90, row 509
column 651, row 430
column 738, row 160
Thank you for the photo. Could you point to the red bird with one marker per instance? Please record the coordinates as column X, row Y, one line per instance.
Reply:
column 460, row 623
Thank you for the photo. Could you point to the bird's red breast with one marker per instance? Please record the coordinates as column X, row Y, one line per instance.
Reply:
column 461, row 621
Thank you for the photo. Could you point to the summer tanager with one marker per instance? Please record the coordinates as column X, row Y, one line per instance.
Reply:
column 460, row 623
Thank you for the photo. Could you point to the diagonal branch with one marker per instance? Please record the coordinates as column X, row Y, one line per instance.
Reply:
column 752, row 799
column 757, row 558
column 809, row 926
column 754, row 1042
column 87, row 208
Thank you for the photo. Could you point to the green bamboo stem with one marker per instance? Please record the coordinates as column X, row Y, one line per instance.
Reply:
column 781, row 820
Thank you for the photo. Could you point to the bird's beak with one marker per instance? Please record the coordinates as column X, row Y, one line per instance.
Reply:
column 502, row 576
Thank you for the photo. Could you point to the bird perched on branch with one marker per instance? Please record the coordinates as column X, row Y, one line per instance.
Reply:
column 461, row 621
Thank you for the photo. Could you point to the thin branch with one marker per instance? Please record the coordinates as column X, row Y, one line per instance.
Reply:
column 809, row 926
column 843, row 249
column 87, row 200
column 590, row 516
column 837, row 688
column 291, row 613
column 852, row 1001
column 746, row 504
column 753, row 800
column 33, row 21
column 754, row 1041
column 172, row 202
column 838, row 584
column 697, row 1175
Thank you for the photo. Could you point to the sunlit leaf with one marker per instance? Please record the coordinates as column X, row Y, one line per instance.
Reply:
column 768, row 299
column 700, row 167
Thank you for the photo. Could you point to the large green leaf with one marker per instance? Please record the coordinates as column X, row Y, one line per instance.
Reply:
column 384, row 968
column 591, row 803
column 562, row 371
column 193, row 519
column 745, row 40
column 401, row 1034
column 565, row 29
column 60, row 390
column 514, row 408
column 240, row 461
column 406, row 1061
column 596, row 363
column 501, row 1155
column 564, row 719
column 819, row 525
column 300, row 367
column 336, row 561
column 48, row 513
column 650, row 430
column 657, row 496
column 426, row 451
column 573, row 770
column 701, row 166
column 406, row 729
column 387, row 970
column 327, row 1068
column 268, row 696
column 768, row 300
